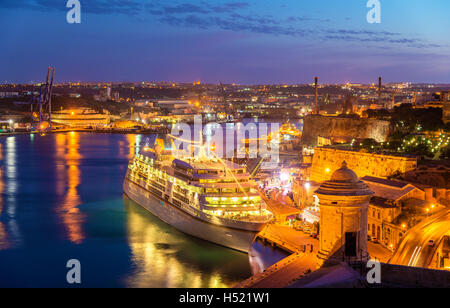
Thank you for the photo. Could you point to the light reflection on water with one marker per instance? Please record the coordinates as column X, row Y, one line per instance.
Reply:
column 67, row 152
column 8, row 189
column 158, row 250
column 61, row 197
column 4, row 244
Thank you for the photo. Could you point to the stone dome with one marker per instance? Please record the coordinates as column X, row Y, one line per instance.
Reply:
column 344, row 174
column 344, row 182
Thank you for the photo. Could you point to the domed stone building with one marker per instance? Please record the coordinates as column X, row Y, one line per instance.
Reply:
column 344, row 202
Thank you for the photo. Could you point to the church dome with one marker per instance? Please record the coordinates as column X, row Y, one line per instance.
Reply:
column 344, row 174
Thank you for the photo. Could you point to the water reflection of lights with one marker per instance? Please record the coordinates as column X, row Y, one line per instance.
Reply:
column 133, row 146
column 68, row 171
column 4, row 244
column 155, row 260
column 8, row 180
column 11, row 174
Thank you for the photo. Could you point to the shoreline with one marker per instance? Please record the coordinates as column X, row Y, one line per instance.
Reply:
column 82, row 130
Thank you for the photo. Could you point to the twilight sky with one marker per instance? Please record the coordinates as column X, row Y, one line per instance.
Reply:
column 242, row 41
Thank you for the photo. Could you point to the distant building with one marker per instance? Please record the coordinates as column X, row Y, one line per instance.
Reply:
column 9, row 94
column 174, row 104
column 116, row 96
column 80, row 117
column 445, row 98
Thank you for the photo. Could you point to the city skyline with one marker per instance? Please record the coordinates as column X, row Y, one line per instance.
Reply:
column 226, row 41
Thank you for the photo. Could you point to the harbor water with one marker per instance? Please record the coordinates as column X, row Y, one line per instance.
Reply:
column 61, row 198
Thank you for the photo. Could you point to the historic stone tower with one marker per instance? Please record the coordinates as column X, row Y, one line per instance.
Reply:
column 344, row 202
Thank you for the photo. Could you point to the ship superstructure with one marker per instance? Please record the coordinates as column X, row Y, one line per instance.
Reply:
column 218, row 195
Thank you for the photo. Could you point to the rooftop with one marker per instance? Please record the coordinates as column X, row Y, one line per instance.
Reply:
column 387, row 189
column 381, row 202
column 385, row 182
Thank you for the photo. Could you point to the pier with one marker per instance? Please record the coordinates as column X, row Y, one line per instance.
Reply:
column 301, row 247
column 88, row 130
column 302, row 260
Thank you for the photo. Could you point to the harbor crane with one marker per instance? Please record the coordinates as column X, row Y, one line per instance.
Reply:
column 41, row 105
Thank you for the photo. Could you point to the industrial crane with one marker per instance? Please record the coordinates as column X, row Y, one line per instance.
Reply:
column 42, row 104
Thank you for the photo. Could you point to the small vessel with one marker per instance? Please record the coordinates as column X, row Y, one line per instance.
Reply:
column 208, row 198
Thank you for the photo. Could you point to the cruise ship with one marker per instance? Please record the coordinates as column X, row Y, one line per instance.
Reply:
column 208, row 198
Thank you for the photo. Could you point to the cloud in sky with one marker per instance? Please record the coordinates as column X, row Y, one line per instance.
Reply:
column 234, row 16
column 236, row 40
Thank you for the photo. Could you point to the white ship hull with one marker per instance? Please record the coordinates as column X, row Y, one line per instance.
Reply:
column 237, row 239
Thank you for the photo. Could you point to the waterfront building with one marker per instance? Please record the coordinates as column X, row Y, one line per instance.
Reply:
column 344, row 204
column 81, row 118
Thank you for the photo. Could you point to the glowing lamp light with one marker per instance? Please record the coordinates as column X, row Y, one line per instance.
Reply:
column 307, row 185
column 327, row 170
column 284, row 177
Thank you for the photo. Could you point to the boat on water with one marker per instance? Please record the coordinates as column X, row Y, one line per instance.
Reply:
column 208, row 198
